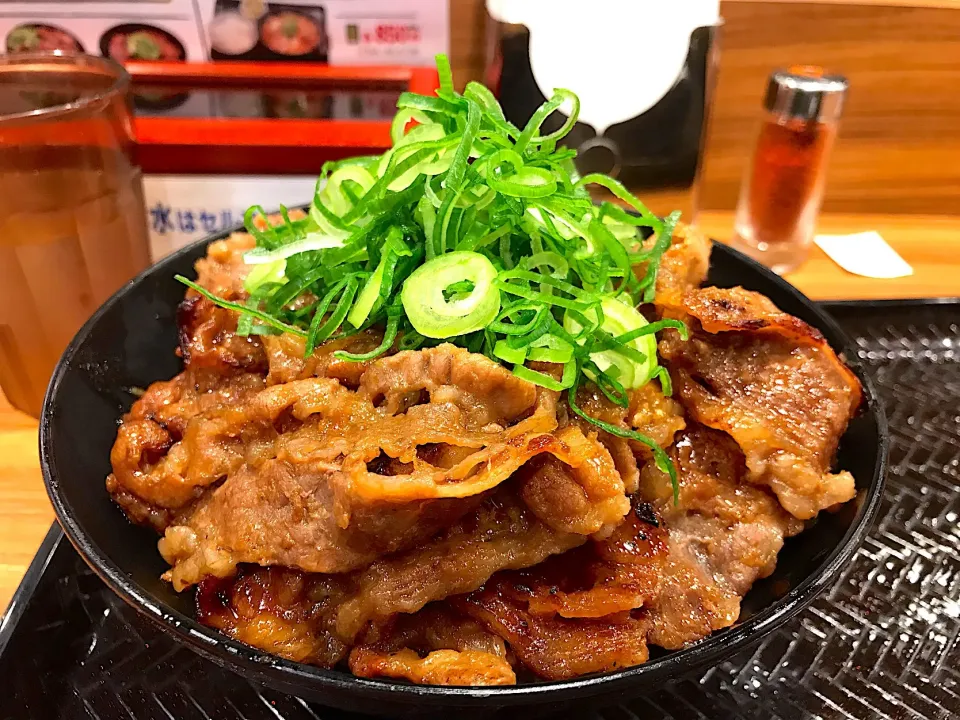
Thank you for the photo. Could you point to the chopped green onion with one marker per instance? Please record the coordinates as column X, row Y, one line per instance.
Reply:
column 321, row 329
column 432, row 315
column 527, row 182
column 389, row 337
column 559, row 267
column 241, row 309
column 621, row 192
column 473, row 231
column 568, row 124
column 660, row 458
column 544, row 380
column 411, row 340
column 373, row 289
column 313, row 241
column 508, row 354
column 400, row 121
column 536, row 120
column 550, row 348
column 518, row 309
column 621, row 319
column 666, row 384
column 446, row 75
column 649, row 281
column 367, row 297
column 523, row 181
column 264, row 274
column 245, row 323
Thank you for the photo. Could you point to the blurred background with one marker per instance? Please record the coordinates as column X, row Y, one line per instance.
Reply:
column 897, row 152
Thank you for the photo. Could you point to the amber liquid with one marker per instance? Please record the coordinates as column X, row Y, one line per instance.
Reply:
column 72, row 231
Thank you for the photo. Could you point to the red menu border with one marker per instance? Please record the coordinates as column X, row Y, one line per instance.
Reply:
column 263, row 146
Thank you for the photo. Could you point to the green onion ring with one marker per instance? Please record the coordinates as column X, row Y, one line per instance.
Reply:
column 432, row 315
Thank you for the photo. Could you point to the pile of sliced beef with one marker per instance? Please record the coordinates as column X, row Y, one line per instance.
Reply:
column 430, row 516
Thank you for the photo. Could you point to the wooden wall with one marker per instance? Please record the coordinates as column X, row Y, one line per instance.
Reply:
column 899, row 147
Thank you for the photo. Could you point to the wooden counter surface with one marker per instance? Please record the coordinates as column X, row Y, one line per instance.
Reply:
column 931, row 244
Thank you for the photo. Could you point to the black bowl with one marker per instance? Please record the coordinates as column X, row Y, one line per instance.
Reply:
column 129, row 343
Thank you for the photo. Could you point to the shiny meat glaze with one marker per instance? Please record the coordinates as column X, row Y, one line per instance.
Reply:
column 309, row 499
column 723, row 534
column 430, row 517
column 771, row 382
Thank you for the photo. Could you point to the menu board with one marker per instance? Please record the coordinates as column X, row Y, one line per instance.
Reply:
column 338, row 32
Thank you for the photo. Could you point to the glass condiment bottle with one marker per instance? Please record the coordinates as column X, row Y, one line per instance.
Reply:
column 783, row 187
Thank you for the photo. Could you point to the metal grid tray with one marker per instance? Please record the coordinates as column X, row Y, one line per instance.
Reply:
column 883, row 643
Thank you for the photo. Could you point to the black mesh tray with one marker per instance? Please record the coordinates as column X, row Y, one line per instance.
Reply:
column 883, row 643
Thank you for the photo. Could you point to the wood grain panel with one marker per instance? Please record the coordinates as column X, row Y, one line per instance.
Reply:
column 899, row 149
column 896, row 3
column 468, row 37
column 25, row 512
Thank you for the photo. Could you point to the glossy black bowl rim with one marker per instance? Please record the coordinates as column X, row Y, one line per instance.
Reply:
column 272, row 670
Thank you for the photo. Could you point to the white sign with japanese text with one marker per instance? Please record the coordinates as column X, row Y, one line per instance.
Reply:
column 184, row 208
column 387, row 32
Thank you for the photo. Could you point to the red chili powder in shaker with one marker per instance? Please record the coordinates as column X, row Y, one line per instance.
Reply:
column 783, row 188
column 788, row 168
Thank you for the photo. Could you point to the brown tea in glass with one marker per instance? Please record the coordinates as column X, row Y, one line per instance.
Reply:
column 72, row 221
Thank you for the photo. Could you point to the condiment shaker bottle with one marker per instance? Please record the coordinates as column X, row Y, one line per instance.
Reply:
column 783, row 187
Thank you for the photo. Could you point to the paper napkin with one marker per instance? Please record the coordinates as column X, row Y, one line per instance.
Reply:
column 865, row 253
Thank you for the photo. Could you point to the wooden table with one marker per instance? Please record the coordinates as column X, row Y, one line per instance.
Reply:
column 931, row 244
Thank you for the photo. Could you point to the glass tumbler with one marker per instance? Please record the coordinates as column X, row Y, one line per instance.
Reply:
column 72, row 221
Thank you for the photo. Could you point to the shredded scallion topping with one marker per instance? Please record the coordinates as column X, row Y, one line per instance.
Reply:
column 472, row 231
